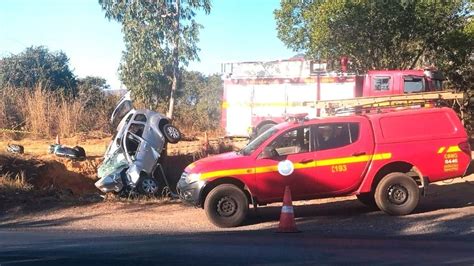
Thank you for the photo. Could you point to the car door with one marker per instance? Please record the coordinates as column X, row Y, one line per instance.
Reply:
column 343, row 151
column 286, row 161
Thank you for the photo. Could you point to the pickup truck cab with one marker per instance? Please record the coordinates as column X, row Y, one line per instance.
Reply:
column 386, row 160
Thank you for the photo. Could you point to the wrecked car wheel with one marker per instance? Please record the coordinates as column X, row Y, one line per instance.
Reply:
column 80, row 152
column 226, row 206
column 148, row 186
column 171, row 133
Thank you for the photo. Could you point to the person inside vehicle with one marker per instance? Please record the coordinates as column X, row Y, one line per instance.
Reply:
column 325, row 137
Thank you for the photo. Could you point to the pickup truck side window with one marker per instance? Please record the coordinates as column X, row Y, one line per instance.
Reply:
column 293, row 141
column 381, row 83
column 336, row 135
column 413, row 84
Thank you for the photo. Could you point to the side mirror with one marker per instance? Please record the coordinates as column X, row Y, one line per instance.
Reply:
column 269, row 152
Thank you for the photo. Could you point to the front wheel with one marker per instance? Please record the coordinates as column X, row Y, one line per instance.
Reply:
column 148, row 186
column 226, row 206
column 397, row 194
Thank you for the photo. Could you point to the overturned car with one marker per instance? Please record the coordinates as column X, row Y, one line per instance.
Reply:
column 132, row 162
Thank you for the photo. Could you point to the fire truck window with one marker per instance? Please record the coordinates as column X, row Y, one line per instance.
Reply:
column 437, row 84
column 413, row 84
column 381, row 83
column 292, row 142
column 331, row 136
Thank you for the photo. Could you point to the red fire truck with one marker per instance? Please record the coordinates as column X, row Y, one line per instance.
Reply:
column 258, row 95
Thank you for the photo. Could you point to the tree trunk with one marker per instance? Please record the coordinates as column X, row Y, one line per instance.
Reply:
column 416, row 58
column 175, row 62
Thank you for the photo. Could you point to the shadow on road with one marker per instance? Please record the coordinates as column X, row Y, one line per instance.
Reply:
column 437, row 214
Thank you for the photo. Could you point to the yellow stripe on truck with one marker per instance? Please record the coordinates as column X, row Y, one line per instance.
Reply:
column 226, row 105
column 453, row 149
column 449, row 150
column 320, row 163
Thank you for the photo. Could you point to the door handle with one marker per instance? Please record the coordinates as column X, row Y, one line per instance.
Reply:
column 306, row 161
column 359, row 153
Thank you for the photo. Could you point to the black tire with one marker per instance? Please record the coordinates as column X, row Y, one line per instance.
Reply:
column 397, row 194
column 171, row 133
column 226, row 206
column 263, row 128
column 148, row 186
column 81, row 153
column 367, row 199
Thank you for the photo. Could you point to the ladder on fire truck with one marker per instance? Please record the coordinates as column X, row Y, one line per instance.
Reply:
column 378, row 103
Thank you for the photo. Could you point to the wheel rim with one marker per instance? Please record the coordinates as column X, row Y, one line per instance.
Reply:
column 173, row 132
column 226, row 206
column 397, row 194
column 149, row 186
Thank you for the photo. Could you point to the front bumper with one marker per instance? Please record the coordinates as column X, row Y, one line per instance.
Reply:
column 190, row 193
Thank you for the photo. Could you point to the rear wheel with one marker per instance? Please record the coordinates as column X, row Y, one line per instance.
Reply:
column 171, row 133
column 397, row 194
column 226, row 206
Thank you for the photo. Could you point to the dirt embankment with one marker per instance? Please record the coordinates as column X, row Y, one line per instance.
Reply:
column 46, row 173
column 76, row 178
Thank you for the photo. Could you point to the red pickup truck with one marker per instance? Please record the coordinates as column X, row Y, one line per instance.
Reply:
column 386, row 160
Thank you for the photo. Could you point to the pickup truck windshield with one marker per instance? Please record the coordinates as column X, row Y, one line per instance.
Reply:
column 254, row 144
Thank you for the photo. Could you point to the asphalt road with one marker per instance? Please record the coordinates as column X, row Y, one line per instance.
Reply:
column 440, row 231
column 229, row 248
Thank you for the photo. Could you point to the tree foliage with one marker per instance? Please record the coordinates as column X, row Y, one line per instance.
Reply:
column 199, row 100
column 150, row 36
column 380, row 34
column 37, row 66
column 91, row 90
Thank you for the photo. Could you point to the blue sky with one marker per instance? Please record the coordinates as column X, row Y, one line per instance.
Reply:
column 236, row 30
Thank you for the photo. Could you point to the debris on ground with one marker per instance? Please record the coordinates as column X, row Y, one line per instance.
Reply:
column 15, row 148
column 75, row 153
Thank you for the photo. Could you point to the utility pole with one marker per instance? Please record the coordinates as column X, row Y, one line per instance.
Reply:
column 175, row 60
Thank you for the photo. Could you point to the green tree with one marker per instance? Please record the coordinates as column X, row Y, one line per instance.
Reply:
column 379, row 34
column 199, row 100
column 90, row 90
column 159, row 36
column 37, row 66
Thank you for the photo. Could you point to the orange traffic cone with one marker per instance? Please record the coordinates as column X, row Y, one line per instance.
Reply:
column 58, row 141
column 287, row 216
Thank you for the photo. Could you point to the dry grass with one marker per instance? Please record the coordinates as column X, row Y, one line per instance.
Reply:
column 12, row 184
column 40, row 111
column 45, row 114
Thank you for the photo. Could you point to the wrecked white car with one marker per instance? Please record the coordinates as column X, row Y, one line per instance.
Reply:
column 132, row 160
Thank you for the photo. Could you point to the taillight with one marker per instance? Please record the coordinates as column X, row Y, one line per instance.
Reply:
column 465, row 147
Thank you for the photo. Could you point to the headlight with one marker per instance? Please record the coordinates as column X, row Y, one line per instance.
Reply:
column 191, row 178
